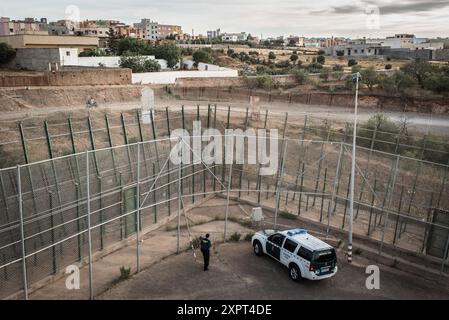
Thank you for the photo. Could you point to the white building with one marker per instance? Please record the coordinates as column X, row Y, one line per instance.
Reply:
column 213, row 33
column 234, row 37
column 406, row 41
column 356, row 48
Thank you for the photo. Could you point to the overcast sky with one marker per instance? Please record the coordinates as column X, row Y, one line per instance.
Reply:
column 352, row 18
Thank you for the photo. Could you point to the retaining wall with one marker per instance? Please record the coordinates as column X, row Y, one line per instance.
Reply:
column 69, row 78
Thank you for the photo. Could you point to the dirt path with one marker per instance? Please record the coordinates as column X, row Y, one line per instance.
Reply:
column 424, row 123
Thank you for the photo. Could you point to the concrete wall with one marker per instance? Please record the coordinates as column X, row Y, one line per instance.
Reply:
column 228, row 82
column 39, row 59
column 109, row 62
column 170, row 77
column 46, row 41
column 425, row 54
column 442, row 55
column 35, row 59
column 69, row 78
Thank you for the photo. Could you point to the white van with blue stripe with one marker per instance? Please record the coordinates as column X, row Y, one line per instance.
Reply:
column 305, row 255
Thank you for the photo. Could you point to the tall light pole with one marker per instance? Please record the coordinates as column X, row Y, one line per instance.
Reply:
column 356, row 78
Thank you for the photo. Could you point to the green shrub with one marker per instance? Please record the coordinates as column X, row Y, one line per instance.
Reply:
column 249, row 236
column 337, row 67
column 139, row 64
column 263, row 81
column 325, row 74
column 202, row 55
column 271, row 55
column 7, row 53
column 299, row 74
column 235, row 237
column 321, row 59
column 125, row 273
column 196, row 242
column 287, row 215
column 352, row 62
column 314, row 67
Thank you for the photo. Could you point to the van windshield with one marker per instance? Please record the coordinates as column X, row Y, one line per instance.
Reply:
column 325, row 256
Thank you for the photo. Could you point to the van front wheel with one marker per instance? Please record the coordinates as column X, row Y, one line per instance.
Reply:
column 258, row 251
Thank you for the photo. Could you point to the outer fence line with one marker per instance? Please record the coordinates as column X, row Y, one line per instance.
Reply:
column 89, row 234
column 22, row 236
column 138, row 209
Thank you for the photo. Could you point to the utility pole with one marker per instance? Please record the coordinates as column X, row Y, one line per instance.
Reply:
column 355, row 77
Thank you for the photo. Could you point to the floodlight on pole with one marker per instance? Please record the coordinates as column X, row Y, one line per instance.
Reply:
column 356, row 77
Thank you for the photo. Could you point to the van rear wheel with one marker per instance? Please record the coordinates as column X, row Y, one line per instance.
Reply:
column 258, row 251
column 294, row 272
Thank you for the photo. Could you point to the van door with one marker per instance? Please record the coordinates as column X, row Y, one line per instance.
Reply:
column 287, row 251
column 274, row 245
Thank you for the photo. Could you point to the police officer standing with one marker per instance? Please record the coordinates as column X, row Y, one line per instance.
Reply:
column 205, row 250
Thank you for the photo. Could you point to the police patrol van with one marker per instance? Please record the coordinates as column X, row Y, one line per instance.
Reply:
column 305, row 255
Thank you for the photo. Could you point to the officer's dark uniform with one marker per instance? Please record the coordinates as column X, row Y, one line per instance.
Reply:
column 205, row 250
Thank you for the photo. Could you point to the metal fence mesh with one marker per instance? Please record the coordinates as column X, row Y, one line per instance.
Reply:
column 394, row 195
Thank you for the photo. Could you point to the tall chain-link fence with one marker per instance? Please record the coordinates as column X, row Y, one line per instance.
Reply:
column 76, row 209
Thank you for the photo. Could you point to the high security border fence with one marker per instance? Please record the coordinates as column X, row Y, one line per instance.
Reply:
column 37, row 139
column 62, row 211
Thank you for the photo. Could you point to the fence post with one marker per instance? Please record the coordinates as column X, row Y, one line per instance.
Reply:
column 89, row 231
column 114, row 165
column 446, row 248
column 227, row 200
column 155, row 138
column 78, row 222
column 303, row 169
column 223, row 169
column 278, row 186
column 168, row 163
column 334, row 190
column 322, row 194
column 125, row 136
column 92, row 142
column 215, row 165
column 241, row 170
column 390, row 192
column 179, row 196
column 22, row 234
column 138, row 208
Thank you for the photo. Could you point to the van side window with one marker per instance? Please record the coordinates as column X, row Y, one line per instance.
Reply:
column 290, row 245
column 305, row 253
column 277, row 239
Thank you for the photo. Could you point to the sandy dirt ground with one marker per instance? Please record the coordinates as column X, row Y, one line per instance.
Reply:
column 236, row 273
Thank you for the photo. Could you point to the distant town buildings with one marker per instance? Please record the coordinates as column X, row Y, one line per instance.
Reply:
column 31, row 32
column 154, row 31
column 10, row 27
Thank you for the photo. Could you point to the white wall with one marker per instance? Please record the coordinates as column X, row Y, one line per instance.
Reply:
column 208, row 67
column 162, row 63
column 68, row 56
column 170, row 77
column 109, row 62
